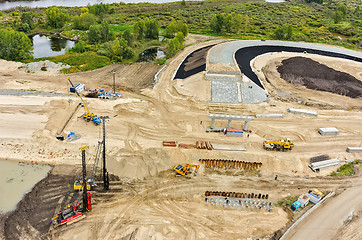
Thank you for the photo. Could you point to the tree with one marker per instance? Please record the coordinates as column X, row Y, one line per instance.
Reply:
column 182, row 27
column 84, row 21
column 217, row 23
column 171, row 29
column 284, row 33
column 229, row 23
column 27, row 18
column 337, row 16
column 238, row 20
column 117, row 50
column 128, row 36
column 55, row 18
column 140, row 30
column 100, row 33
column 14, row 46
column 152, row 29
column 79, row 47
column 246, row 23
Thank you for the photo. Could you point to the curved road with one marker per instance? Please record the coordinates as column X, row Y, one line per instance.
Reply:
column 326, row 220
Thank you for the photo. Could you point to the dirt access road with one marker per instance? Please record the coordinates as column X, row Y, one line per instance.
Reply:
column 149, row 201
column 325, row 222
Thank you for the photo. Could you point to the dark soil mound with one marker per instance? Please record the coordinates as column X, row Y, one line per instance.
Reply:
column 313, row 75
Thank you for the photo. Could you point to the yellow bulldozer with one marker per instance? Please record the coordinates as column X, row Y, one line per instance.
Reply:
column 184, row 170
column 282, row 145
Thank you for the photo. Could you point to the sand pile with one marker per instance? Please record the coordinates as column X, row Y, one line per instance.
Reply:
column 139, row 165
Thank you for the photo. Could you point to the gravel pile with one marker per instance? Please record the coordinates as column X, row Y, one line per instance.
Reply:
column 224, row 91
column 50, row 66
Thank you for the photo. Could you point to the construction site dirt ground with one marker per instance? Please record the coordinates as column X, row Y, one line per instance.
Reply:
column 148, row 201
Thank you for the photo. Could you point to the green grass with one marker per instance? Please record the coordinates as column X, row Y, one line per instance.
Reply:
column 288, row 201
column 121, row 28
column 345, row 170
column 81, row 61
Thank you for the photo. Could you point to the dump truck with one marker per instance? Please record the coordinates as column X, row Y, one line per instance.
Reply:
column 282, row 145
column 184, row 170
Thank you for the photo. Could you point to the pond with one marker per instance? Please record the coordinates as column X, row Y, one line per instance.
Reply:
column 45, row 46
column 150, row 55
column 17, row 179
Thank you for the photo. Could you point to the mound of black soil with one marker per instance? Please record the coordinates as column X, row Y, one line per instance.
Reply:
column 313, row 75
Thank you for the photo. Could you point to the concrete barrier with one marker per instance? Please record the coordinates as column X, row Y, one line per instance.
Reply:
column 354, row 149
column 302, row 111
column 330, row 131
column 269, row 115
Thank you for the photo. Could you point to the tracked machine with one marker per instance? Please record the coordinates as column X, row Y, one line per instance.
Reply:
column 88, row 116
column 282, row 145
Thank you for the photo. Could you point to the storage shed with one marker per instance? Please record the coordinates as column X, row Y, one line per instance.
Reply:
column 314, row 197
column 304, row 200
column 234, row 132
column 330, row 131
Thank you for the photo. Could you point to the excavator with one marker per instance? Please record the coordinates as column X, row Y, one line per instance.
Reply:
column 282, row 145
column 88, row 116
column 184, row 170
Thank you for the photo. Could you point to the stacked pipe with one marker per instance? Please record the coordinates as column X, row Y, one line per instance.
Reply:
column 237, row 195
column 223, row 163
column 169, row 143
column 188, row 146
column 204, row 145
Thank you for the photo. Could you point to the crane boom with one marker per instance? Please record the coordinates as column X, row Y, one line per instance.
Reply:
column 87, row 115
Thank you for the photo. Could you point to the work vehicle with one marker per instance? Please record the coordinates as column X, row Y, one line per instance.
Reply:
column 60, row 134
column 184, row 170
column 295, row 205
column 282, row 145
column 78, row 185
column 72, row 212
column 88, row 116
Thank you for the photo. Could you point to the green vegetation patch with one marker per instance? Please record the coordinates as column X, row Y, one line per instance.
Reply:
column 81, row 61
column 287, row 202
column 346, row 169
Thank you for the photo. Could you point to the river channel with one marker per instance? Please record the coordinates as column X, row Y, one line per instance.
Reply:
column 69, row 3
column 81, row 3
column 17, row 179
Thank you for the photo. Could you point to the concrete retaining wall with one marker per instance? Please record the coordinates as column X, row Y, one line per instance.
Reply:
column 302, row 111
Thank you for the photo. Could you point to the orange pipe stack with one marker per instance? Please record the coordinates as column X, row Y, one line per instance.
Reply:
column 222, row 163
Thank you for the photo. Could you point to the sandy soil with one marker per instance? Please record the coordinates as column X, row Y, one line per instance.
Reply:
column 149, row 201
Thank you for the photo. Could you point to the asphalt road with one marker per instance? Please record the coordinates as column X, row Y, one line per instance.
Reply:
column 325, row 221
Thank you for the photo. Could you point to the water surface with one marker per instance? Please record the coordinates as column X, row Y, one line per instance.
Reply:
column 45, row 46
column 17, row 179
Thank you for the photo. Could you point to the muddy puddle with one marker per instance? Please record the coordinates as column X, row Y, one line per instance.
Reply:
column 17, row 179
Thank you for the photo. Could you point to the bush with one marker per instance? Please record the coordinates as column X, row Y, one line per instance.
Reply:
column 14, row 46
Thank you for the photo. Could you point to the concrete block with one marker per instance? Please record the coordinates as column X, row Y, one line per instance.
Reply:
column 302, row 111
column 228, row 147
column 354, row 149
column 330, row 131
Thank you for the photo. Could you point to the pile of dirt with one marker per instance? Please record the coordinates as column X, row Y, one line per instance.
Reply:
column 313, row 75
